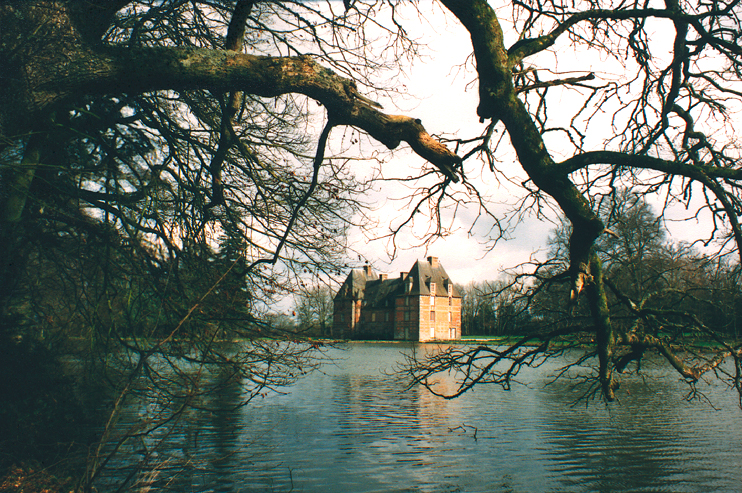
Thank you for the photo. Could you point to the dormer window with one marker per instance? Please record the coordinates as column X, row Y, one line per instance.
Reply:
column 432, row 289
column 409, row 285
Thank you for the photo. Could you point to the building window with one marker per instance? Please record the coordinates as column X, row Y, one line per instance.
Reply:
column 342, row 318
column 432, row 332
column 432, row 315
column 452, row 331
column 449, row 316
column 432, row 299
column 450, row 299
column 432, row 289
column 409, row 285
column 373, row 317
column 407, row 301
column 407, row 316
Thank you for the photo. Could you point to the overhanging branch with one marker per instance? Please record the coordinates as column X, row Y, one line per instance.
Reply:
column 694, row 171
column 141, row 70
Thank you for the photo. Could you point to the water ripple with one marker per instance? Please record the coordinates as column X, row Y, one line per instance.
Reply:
column 351, row 429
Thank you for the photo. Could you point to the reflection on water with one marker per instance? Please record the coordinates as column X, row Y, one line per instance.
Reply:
column 351, row 428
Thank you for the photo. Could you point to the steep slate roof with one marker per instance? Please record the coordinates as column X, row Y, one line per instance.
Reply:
column 378, row 291
column 366, row 284
column 422, row 274
column 355, row 284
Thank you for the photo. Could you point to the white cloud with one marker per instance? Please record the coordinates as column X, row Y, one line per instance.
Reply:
column 443, row 95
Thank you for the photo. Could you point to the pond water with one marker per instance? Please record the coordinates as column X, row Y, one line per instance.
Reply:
column 350, row 428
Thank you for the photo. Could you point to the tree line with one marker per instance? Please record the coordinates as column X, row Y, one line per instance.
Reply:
column 663, row 286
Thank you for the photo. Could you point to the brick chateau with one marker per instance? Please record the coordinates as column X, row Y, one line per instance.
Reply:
column 420, row 305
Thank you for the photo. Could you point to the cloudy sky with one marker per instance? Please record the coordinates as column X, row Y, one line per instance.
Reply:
column 443, row 96
column 442, row 93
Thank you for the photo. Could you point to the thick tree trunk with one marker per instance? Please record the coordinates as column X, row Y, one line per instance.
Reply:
column 16, row 185
column 17, row 180
column 499, row 101
column 605, row 339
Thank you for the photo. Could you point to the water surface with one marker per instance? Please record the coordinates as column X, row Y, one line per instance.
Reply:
column 351, row 428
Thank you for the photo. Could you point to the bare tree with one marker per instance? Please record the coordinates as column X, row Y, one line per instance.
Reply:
column 164, row 177
column 313, row 307
column 493, row 308
column 656, row 291
column 668, row 114
column 156, row 127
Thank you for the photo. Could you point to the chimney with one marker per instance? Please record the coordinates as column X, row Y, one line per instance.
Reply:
column 433, row 261
column 367, row 270
column 383, row 277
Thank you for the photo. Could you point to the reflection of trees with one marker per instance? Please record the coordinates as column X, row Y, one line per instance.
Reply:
column 643, row 443
column 353, row 429
column 161, row 398
column 220, row 418
column 161, row 444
